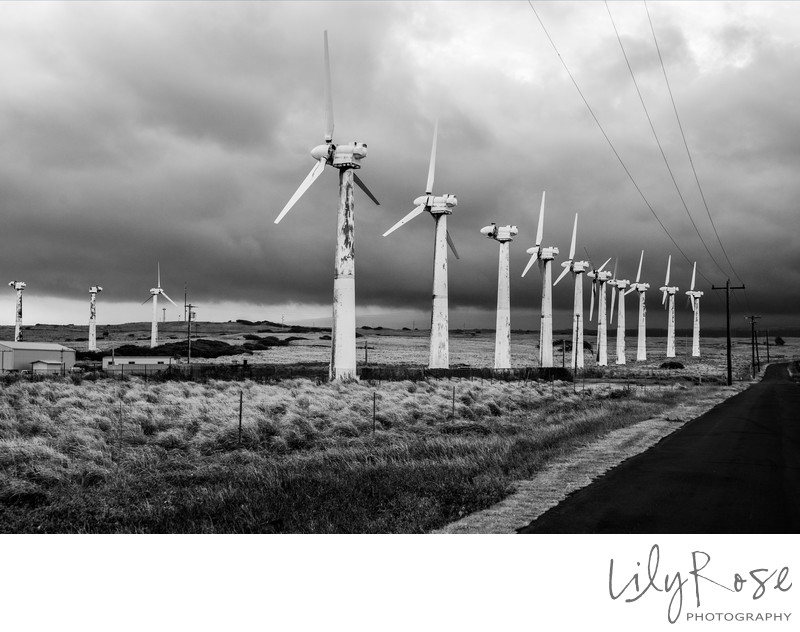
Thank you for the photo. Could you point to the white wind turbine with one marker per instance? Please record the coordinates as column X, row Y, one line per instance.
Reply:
column 439, row 207
column 577, row 268
column 18, row 286
column 346, row 158
column 618, row 287
column 545, row 257
column 641, row 343
column 694, row 297
column 599, row 279
column 669, row 291
column 502, row 340
column 154, row 292
column 93, row 316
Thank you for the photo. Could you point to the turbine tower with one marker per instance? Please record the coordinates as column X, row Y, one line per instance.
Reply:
column 18, row 286
column 502, row 340
column 93, row 316
column 439, row 207
column 694, row 297
column 599, row 279
column 618, row 287
column 544, row 256
column 577, row 268
column 154, row 292
column 641, row 343
column 346, row 158
column 669, row 291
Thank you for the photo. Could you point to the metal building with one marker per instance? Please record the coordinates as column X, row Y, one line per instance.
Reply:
column 21, row 356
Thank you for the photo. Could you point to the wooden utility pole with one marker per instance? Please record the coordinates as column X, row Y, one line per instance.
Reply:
column 189, row 315
column 728, row 289
column 755, row 362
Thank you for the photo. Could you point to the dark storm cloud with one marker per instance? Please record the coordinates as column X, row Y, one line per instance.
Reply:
column 175, row 132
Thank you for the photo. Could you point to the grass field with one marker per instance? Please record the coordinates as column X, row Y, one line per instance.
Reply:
column 105, row 456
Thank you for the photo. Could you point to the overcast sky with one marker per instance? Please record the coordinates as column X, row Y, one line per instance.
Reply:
column 137, row 132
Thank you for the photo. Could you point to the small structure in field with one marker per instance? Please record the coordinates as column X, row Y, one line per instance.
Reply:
column 137, row 364
column 21, row 356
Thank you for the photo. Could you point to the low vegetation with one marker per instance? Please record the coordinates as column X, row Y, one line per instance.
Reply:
column 130, row 456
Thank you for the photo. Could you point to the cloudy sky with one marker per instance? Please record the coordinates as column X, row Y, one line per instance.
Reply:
column 136, row 132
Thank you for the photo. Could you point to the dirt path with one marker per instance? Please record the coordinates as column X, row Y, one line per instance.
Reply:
column 579, row 467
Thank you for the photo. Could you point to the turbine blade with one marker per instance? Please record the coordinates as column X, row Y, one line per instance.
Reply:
column 669, row 264
column 664, row 299
column 639, row 272
column 631, row 289
column 313, row 175
column 164, row 294
column 574, row 236
column 540, row 229
column 534, row 257
column 694, row 272
column 159, row 274
column 451, row 244
column 614, row 275
column 690, row 302
column 600, row 269
column 561, row 276
column 364, row 188
column 328, row 96
column 432, row 165
column 591, row 304
column 149, row 299
column 613, row 297
column 407, row 218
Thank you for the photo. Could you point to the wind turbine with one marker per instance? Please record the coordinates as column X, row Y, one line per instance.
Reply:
column 502, row 340
column 544, row 256
column 93, row 316
column 577, row 268
column 154, row 292
column 641, row 344
column 694, row 297
column 669, row 291
column 618, row 287
column 599, row 279
column 439, row 207
column 18, row 286
column 346, row 158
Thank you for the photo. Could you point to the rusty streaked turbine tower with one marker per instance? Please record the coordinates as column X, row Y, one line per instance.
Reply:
column 694, row 298
column 544, row 256
column 618, row 287
column 669, row 291
column 641, row 341
column 577, row 268
column 502, row 340
column 599, row 279
column 346, row 158
column 93, row 316
column 154, row 293
column 18, row 286
column 439, row 207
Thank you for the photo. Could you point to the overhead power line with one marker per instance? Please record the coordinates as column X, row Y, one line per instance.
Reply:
column 686, row 144
column 608, row 140
column 658, row 141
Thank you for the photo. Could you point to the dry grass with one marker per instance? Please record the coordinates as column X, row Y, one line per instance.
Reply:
column 130, row 456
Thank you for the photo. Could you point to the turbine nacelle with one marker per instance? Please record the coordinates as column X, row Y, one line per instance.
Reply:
column 543, row 253
column 437, row 203
column 500, row 233
column 95, row 289
column 620, row 284
column 638, row 287
column 17, row 285
column 341, row 156
column 602, row 276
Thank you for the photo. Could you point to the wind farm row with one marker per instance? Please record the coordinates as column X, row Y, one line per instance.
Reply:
column 346, row 158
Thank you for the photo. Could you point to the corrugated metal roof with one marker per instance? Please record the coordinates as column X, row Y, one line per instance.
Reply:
column 33, row 346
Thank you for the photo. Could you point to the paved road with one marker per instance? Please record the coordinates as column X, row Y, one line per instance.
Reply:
column 735, row 469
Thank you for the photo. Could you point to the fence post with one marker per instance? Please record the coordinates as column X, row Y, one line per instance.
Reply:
column 374, row 409
column 241, row 398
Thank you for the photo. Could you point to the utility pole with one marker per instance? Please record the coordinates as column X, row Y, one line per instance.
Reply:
column 728, row 289
column 756, row 365
column 189, row 315
column 184, row 301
